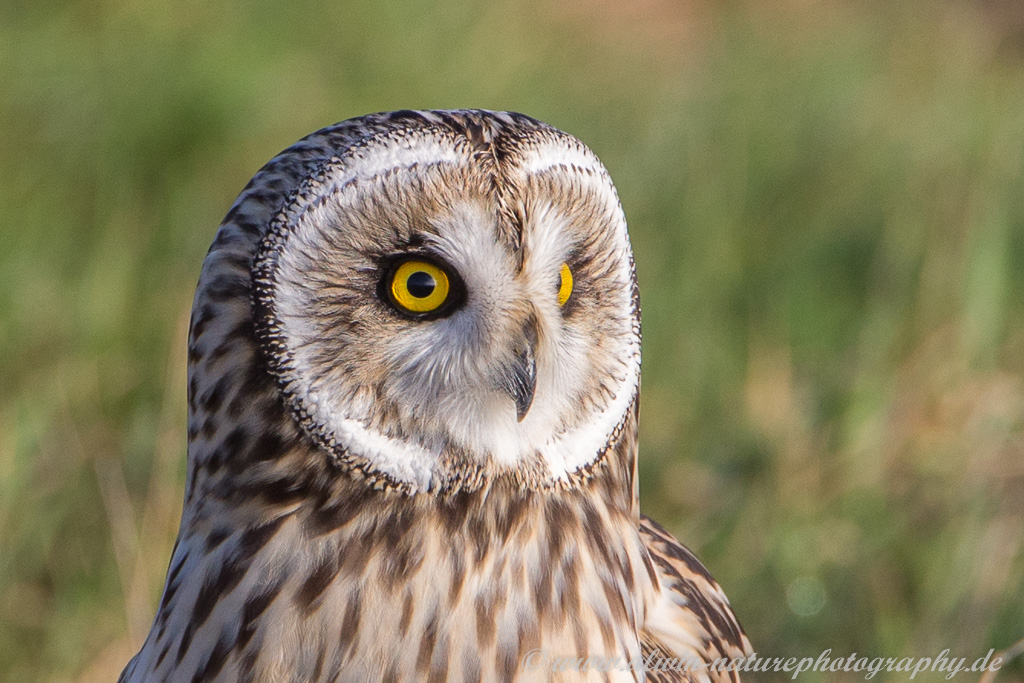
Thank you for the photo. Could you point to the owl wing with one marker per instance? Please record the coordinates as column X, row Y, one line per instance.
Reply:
column 691, row 620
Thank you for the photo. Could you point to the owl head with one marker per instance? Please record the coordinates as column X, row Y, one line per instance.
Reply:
column 449, row 297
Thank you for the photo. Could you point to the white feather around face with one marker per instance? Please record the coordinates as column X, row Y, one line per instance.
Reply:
column 420, row 399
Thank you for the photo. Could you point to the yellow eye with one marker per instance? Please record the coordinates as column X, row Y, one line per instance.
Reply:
column 564, row 284
column 419, row 286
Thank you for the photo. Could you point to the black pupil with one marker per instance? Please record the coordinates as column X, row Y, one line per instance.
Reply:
column 420, row 284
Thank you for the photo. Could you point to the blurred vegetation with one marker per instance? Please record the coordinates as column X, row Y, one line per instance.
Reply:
column 827, row 211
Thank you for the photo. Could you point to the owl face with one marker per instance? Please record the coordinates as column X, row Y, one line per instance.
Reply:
column 443, row 305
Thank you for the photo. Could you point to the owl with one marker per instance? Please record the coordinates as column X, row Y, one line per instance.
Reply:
column 413, row 385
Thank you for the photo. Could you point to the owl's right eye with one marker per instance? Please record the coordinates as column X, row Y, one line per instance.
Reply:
column 420, row 287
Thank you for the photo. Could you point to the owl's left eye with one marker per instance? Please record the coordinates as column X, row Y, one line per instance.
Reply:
column 419, row 287
column 564, row 284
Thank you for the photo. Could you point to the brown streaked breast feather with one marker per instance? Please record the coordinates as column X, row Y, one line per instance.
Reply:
column 691, row 617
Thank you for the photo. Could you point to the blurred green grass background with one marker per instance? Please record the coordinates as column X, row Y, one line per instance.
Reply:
column 827, row 212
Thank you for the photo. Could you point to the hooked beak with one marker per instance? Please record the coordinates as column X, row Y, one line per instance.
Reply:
column 520, row 378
